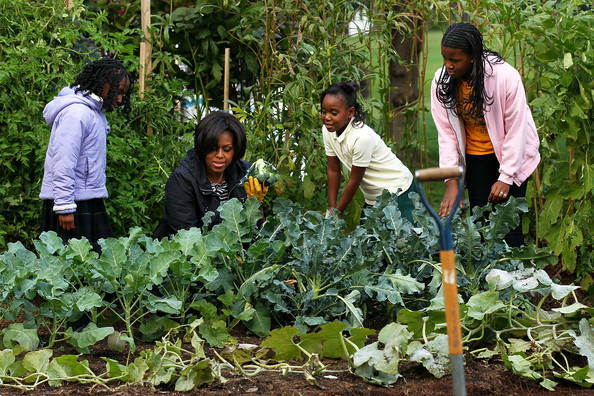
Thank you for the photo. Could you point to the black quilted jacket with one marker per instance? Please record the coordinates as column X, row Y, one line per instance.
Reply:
column 188, row 194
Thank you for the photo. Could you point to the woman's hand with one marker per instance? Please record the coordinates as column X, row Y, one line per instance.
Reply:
column 499, row 192
column 253, row 188
column 449, row 198
column 66, row 221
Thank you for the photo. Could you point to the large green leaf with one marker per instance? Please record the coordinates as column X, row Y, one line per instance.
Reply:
column 585, row 341
column 17, row 333
column 484, row 304
column 7, row 358
column 89, row 336
column 37, row 361
column 282, row 342
column 67, row 366
column 260, row 323
column 434, row 356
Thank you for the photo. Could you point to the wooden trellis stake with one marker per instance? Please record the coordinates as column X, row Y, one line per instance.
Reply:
column 226, row 80
column 145, row 52
column 145, row 47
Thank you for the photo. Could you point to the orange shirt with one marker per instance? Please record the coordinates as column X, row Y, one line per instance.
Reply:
column 477, row 136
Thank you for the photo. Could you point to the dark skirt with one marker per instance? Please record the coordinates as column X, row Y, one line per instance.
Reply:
column 482, row 171
column 90, row 221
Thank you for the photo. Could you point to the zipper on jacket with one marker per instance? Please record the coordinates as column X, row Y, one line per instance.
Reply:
column 460, row 154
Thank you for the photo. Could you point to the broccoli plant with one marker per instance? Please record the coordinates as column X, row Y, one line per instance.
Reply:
column 264, row 171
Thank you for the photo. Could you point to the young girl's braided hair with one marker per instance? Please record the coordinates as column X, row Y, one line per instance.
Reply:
column 467, row 38
column 107, row 70
column 348, row 90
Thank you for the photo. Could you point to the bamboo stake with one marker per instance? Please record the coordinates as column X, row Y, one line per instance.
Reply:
column 145, row 53
column 145, row 47
column 226, row 82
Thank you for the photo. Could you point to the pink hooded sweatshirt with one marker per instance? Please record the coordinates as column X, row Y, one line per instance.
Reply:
column 509, row 122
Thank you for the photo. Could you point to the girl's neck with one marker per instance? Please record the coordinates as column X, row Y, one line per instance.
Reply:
column 341, row 130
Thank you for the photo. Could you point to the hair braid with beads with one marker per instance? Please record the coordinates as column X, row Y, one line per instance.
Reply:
column 467, row 38
column 96, row 74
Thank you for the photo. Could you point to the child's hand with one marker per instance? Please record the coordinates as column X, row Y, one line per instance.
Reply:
column 67, row 221
column 449, row 198
column 253, row 188
column 499, row 192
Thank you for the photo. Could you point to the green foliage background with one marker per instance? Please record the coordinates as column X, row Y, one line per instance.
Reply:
column 284, row 55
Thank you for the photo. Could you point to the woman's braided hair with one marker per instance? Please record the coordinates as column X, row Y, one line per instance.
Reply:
column 467, row 38
column 107, row 70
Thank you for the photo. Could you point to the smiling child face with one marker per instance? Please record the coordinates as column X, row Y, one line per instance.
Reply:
column 336, row 115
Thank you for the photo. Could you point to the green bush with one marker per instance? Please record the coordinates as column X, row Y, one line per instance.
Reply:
column 36, row 52
column 41, row 47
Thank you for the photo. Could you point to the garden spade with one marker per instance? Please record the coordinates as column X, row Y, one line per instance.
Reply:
column 448, row 266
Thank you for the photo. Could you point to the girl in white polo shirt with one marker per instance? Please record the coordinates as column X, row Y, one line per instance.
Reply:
column 348, row 140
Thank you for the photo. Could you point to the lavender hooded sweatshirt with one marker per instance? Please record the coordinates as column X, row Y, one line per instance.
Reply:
column 74, row 168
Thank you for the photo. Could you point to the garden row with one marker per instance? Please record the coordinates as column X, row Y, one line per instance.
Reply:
column 301, row 281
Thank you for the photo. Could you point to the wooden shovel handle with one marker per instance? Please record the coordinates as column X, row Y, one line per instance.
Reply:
column 433, row 174
column 450, row 294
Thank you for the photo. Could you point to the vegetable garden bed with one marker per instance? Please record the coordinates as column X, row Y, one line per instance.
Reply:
column 294, row 306
column 482, row 378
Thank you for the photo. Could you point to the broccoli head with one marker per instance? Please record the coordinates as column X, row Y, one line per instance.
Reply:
column 264, row 171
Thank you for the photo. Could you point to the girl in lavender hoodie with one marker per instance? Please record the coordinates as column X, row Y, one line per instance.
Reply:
column 483, row 121
column 73, row 186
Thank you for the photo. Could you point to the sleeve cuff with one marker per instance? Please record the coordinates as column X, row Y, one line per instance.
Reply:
column 68, row 208
column 506, row 179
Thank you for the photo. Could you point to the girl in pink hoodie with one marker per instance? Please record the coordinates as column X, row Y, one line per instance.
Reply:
column 479, row 106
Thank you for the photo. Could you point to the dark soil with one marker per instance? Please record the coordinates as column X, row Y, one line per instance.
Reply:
column 482, row 378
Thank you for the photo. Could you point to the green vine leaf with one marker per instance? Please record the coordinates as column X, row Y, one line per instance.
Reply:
column 195, row 376
column 380, row 366
column 67, row 366
column 37, row 361
column 483, row 304
column 585, row 341
column 582, row 376
column 90, row 335
column 7, row 358
column 260, row 322
column 332, row 337
column 434, row 356
column 282, row 342
column 17, row 333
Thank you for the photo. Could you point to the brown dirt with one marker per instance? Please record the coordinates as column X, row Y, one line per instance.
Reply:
column 482, row 378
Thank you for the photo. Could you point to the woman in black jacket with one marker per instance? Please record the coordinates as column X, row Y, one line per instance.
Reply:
column 208, row 176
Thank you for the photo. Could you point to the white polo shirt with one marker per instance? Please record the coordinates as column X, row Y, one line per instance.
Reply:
column 361, row 146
